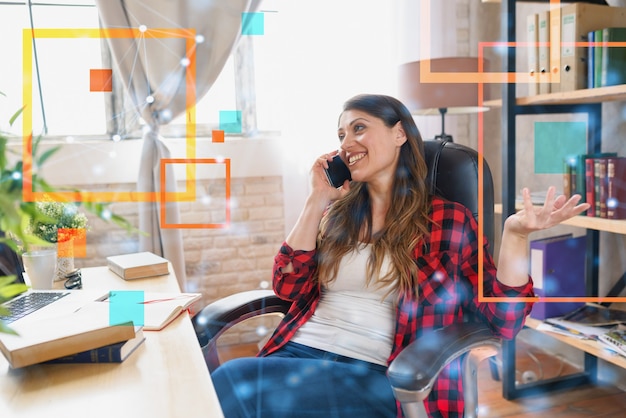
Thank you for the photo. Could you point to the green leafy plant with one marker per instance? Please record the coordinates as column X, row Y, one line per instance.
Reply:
column 20, row 221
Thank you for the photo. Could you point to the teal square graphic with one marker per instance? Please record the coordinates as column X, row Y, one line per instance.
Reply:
column 252, row 24
column 556, row 141
column 125, row 306
column 230, row 121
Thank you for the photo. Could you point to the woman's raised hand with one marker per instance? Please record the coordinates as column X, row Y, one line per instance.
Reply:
column 554, row 211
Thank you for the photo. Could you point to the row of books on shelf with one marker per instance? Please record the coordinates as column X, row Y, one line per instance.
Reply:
column 600, row 179
column 593, row 322
column 576, row 46
column 606, row 62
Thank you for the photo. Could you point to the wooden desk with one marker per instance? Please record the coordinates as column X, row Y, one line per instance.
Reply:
column 165, row 377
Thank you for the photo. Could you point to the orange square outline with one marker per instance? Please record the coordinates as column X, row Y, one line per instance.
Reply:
column 550, row 299
column 172, row 195
column 28, row 35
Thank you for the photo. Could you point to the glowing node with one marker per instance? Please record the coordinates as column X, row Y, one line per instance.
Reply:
column 199, row 39
column 16, row 175
column 219, row 159
column 150, row 99
column 185, row 62
column 261, row 331
column 206, row 200
column 611, row 203
column 106, row 214
column 116, row 138
column 166, row 115
column 293, row 380
column 143, row 28
column 98, row 170
column 264, row 284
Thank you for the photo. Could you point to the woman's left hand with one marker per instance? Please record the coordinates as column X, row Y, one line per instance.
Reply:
column 554, row 211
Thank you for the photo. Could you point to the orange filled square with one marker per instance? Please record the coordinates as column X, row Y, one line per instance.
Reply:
column 101, row 80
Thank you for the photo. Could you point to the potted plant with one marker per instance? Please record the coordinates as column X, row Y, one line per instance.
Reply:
column 61, row 225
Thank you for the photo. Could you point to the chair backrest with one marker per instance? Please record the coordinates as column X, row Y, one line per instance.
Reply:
column 453, row 174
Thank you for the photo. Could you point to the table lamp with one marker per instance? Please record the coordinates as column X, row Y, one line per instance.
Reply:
column 439, row 98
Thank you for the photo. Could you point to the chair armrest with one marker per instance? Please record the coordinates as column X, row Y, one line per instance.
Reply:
column 217, row 317
column 414, row 371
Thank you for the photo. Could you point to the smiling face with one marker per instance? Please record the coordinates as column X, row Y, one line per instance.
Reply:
column 370, row 148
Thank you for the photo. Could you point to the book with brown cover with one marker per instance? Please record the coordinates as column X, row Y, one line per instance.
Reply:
column 41, row 340
column 616, row 188
column 590, row 186
column 138, row 265
column 112, row 353
column 601, row 187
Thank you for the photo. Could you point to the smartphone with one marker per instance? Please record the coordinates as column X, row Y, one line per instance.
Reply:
column 337, row 172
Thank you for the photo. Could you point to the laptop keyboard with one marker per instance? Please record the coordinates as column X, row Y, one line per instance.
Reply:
column 29, row 303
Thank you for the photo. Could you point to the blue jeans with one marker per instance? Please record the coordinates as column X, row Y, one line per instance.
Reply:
column 303, row 382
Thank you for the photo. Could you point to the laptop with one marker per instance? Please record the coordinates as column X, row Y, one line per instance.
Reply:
column 37, row 304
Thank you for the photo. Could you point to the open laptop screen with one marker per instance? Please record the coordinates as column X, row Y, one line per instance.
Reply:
column 10, row 262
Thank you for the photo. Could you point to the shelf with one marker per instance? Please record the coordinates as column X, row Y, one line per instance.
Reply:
column 588, row 346
column 602, row 2
column 586, row 96
column 588, row 222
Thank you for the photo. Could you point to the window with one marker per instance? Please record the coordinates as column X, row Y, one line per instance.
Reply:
column 63, row 66
column 63, row 104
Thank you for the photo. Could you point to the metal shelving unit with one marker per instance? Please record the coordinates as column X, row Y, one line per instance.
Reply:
column 582, row 101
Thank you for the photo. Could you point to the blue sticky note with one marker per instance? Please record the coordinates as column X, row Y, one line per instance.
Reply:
column 555, row 141
column 230, row 121
column 252, row 24
column 126, row 305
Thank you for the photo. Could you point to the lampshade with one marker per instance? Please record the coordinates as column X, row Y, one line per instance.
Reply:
column 425, row 98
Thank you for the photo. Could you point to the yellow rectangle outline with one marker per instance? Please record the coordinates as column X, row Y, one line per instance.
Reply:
column 28, row 36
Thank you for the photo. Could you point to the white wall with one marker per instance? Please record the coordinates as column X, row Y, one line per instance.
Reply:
column 332, row 51
column 432, row 22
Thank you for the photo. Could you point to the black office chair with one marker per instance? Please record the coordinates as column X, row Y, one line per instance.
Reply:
column 452, row 174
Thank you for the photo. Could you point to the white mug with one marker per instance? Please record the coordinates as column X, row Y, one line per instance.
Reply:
column 40, row 267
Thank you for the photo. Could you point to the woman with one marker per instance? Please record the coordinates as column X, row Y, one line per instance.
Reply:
column 369, row 266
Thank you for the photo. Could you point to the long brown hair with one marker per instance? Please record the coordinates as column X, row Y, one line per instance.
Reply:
column 406, row 220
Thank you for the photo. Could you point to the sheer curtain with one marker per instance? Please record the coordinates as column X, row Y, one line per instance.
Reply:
column 154, row 67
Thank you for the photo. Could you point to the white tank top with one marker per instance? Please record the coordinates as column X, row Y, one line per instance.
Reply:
column 351, row 319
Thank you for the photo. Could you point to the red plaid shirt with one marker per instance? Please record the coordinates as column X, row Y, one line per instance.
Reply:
column 448, row 289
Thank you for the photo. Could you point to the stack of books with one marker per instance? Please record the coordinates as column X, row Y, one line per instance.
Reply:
column 601, row 181
column 88, row 335
column 79, row 337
